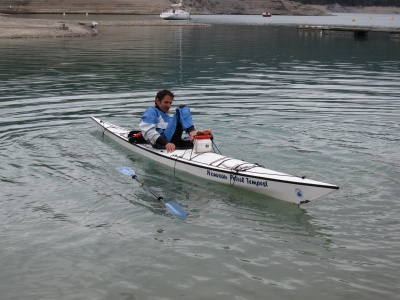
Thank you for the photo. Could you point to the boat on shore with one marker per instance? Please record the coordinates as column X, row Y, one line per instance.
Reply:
column 266, row 14
column 175, row 13
column 203, row 161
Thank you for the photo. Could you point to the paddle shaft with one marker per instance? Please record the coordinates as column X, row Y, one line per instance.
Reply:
column 174, row 208
column 159, row 198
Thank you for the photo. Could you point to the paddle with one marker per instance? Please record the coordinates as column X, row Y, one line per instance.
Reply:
column 174, row 208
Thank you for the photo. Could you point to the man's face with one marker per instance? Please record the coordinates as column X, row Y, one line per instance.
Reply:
column 165, row 103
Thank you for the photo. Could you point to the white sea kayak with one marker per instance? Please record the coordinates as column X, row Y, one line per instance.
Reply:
column 204, row 162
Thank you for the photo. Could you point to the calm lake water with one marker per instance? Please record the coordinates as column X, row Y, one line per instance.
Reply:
column 325, row 106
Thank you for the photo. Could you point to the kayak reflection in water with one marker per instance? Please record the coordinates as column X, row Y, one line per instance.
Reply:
column 162, row 131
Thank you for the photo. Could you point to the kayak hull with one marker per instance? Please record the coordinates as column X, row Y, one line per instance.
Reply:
column 219, row 168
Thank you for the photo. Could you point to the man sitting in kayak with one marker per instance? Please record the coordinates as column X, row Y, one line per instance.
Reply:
column 160, row 129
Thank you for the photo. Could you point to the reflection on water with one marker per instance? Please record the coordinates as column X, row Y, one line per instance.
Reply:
column 322, row 106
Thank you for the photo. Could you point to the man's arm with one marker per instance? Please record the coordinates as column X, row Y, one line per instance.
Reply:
column 148, row 126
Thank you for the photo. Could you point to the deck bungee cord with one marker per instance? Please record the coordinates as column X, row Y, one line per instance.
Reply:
column 241, row 168
column 214, row 144
column 107, row 128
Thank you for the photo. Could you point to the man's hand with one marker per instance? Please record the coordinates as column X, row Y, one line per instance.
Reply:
column 192, row 134
column 170, row 147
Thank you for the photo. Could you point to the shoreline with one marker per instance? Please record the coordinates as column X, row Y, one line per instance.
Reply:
column 18, row 28
column 24, row 28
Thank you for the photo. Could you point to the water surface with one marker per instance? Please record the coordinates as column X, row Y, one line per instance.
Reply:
column 325, row 106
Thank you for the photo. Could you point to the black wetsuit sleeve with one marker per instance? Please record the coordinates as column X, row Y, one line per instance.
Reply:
column 161, row 141
column 190, row 129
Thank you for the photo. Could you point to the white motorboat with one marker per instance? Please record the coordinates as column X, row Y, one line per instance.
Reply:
column 175, row 14
column 203, row 161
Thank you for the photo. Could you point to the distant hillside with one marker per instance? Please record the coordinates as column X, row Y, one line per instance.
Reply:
column 281, row 7
column 143, row 7
column 395, row 3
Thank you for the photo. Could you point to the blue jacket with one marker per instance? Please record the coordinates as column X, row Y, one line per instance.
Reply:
column 155, row 124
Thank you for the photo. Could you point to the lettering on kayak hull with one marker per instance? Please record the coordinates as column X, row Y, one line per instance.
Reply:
column 216, row 174
column 261, row 183
column 240, row 179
